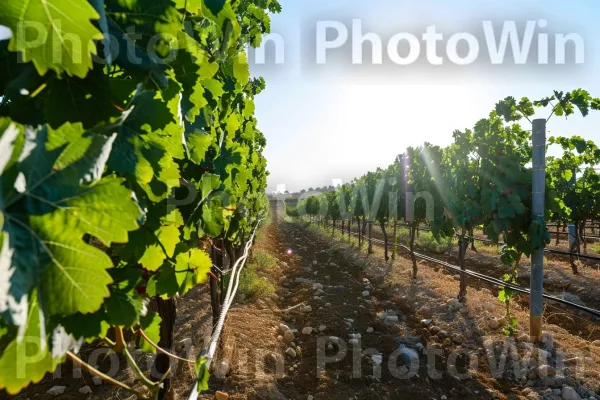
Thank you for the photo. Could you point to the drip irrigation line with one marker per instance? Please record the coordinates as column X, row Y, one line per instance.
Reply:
column 486, row 278
column 546, row 250
column 566, row 253
column 209, row 350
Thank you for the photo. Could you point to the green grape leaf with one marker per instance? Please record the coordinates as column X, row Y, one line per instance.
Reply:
column 222, row 14
column 149, row 16
column 172, row 218
column 233, row 124
column 154, row 255
column 544, row 102
column 249, row 131
column 90, row 101
column 151, row 245
column 163, row 283
column 149, row 141
column 190, row 270
column 198, row 144
column 150, row 324
column 87, row 326
column 12, row 140
column 215, row 87
column 214, row 214
column 202, row 373
column 192, row 267
column 508, row 109
column 515, row 202
column 233, row 156
column 28, row 359
column 241, row 69
column 509, row 255
column 192, row 6
column 580, row 144
column 125, row 305
column 135, row 59
column 193, row 211
column 215, row 6
column 506, row 211
column 54, row 208
column 123, row 308
column 41, row 28
column 504, row 295
column 157, row 23
column 249, row 108
column 192, row 67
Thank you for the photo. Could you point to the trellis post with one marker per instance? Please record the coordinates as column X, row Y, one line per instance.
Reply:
column 538, row 197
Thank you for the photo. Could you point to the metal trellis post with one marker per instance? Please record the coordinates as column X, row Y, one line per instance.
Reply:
column 537, row 258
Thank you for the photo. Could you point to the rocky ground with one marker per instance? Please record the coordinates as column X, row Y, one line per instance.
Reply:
column 559, row 281
column 358, row 325
column 345, row 325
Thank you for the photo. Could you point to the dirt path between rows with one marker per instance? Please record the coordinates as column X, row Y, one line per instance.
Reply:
column 337, row 301
column 359, row 324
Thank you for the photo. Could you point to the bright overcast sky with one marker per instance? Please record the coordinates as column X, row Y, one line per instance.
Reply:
column 338, row 120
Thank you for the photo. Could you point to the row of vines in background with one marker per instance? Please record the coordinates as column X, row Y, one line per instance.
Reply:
column 483, row 180
column 130, row 166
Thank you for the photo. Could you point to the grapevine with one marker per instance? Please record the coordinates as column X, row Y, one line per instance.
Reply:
column 121, row 171
column 481, row 181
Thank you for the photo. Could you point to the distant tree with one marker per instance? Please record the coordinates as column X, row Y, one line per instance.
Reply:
column 302, row 191
column 311, row 189
column 286, row 192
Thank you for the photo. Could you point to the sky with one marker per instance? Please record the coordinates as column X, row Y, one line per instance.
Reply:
column 335, row 121
column 339, row 120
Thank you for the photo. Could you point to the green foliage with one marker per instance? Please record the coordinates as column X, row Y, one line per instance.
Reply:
column 150, row 323
column 253, row 278
column 53, row 20
column 202, row 373
column 574, row 179
column 264, row 261
column 59, row 198
column 29, row 358
column 115, row 177
column 253, row 286
column 483, row 180
column 425, row 180
column 511, row 327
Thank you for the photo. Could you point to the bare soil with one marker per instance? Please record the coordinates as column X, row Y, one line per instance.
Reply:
column 256, row 354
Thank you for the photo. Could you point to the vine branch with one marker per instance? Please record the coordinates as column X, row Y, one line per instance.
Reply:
column 103, row 376
column 160, row 349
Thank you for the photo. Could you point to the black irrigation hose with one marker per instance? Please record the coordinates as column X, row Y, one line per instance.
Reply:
column 550, row 251
column 567, row 233
column 566, row 253
column 486, row 278
column 588, row 226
